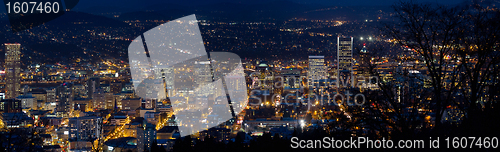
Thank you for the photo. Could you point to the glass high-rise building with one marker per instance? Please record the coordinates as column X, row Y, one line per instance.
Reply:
column 204, row 81
column 65, row 96
column 12, row 70
column 344, row 58
column 317, row 70
column 363, row 73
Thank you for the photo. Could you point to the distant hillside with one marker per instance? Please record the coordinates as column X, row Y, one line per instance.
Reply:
column 71, row 17
column 69, row 36
column 272, row 11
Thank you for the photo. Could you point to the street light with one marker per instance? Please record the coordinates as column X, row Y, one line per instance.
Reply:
column 302, row 123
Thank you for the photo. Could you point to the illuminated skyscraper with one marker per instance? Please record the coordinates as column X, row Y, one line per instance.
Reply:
column 317, row 70
column 363, row 73
column 265, row 76
column 364, row 61
column 91, row 85
column 65, row 97
column 12, row 70
column 166, row 75
column 344, row 58
column 204, row 73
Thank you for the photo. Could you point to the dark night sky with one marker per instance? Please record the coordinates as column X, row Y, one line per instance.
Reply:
column 198, row 2
column 84, row 4
column 325, row 2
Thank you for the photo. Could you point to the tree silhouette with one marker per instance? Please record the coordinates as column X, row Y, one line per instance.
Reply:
column 432, row 31
column 458, row 46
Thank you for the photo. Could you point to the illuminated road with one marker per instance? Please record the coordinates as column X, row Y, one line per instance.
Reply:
column 118, row 132
column 2, row 125
column 63, row 81
column 162, row 123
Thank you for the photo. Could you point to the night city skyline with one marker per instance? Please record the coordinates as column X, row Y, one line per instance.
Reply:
column 281, row 75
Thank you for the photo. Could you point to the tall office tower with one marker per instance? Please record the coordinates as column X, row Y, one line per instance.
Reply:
column 12, row 70
column 363, row 68
column 166, row 76
column 344, row 58
column 317, row 70
column 204, row 73
column 91, row 85
column 65, row 97
column 169, row 80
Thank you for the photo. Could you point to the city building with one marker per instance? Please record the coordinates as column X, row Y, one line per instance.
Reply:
column 51, row 106
column 91, row 85
column 98, row 98
column 127, row 87
column 165, row 109
column 363, row 68
column 265, row 76
column 16, row 120
column 51, row 94
column 40, row 96
column 131, row 103
column 344, row 58
column 2, row 95
column 115, row 87
column 168, row 132
column 166, row 75
column 80, row 146
column 12, row 70
column 204, row 73
column 292, row 79
column 82, row 104
column 10, row 105
column 124, row 144
column 51, row 121
column 110, row 100
column 146, row 134
column 219, row 134
column 27, row 102
column 84, row 128
column 152, row 117
column 65, row 97
column 118, row 119
column 79, row 91
column 316, row 71
column 264, row 124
